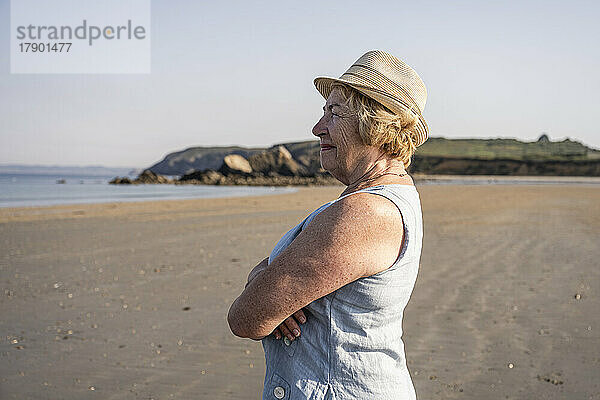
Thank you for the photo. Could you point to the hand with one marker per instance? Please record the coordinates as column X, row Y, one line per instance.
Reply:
column 288, row 326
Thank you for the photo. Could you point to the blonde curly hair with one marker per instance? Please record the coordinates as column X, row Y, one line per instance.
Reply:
column 378, row 126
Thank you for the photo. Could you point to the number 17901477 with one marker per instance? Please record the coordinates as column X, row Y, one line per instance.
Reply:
column 45, row 47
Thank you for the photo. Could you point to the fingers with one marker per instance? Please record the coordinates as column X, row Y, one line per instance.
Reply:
column 290, row 327
column 277, row 333
column 299, row 315
column 285, row 331
column 293, row 327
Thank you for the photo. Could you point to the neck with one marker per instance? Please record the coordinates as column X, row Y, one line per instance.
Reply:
column 382, row 167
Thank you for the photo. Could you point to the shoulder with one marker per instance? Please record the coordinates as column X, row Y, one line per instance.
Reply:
column 365, row 226
column 363, row 208
column 370, row 201
column 356, row 236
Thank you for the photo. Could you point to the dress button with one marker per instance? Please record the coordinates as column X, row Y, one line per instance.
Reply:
column 286, row 341
column 279, row 392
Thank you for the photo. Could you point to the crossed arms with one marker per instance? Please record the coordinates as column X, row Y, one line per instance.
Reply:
column 355, row 237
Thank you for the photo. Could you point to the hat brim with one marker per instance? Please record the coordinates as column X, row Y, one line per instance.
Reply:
column 324, row 86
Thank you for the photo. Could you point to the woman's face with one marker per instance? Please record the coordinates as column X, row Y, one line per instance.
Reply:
column 342, row 150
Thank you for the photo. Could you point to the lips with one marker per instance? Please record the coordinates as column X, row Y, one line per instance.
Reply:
column 326, row 147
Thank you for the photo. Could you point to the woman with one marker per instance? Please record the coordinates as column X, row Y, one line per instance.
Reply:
column 336, row 285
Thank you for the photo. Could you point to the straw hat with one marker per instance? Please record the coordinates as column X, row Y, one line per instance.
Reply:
column 387, row 80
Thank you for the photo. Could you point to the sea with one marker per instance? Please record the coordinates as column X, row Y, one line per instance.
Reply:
column 27, row 190
column 39, row 189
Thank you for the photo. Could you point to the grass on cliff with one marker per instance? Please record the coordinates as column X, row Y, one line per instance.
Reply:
column 543, row 149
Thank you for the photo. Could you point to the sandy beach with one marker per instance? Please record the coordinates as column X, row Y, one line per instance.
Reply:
column 129, row 300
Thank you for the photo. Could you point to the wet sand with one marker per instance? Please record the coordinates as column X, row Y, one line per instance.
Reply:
column 129, row 300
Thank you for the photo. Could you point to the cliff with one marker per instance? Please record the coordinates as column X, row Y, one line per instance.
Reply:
column 297, row 163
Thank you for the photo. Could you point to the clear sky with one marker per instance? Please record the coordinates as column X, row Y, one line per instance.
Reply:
column 240, row 73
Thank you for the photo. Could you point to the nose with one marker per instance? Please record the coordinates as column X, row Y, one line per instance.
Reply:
column 319, row 128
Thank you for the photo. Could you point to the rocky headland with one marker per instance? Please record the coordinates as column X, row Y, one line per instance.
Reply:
column 272, row 167
column 298, row 163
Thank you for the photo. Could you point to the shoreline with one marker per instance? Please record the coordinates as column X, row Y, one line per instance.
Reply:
column 51, row 194
column 203, row 205
column 420, row 180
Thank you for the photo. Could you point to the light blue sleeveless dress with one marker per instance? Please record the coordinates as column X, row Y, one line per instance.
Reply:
column 351, row 344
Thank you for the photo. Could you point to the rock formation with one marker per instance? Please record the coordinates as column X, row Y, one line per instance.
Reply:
column 234, row 164
column 206, row 177
column 145, row 177
column 276, row 161
column 272, row 167
column 120, row 181
column 150, row 177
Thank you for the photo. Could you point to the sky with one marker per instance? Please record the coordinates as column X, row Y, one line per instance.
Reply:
column 241, row 73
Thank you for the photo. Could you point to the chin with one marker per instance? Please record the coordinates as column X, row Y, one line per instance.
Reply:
column 327, row 162
column 327, row 165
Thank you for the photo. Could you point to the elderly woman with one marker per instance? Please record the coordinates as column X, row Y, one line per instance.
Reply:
column 328, row 301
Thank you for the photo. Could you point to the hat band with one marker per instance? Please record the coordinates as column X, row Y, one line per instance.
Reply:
column 381, row 92
column 374, row 77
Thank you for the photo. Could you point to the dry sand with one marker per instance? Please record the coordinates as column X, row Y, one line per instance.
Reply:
column 129, row 300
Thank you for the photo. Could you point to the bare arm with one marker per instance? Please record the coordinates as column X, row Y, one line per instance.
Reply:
column 289, row 327
column 355, row 237
column 260, row 267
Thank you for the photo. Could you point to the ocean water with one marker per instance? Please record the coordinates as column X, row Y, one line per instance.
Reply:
column 24, row 190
